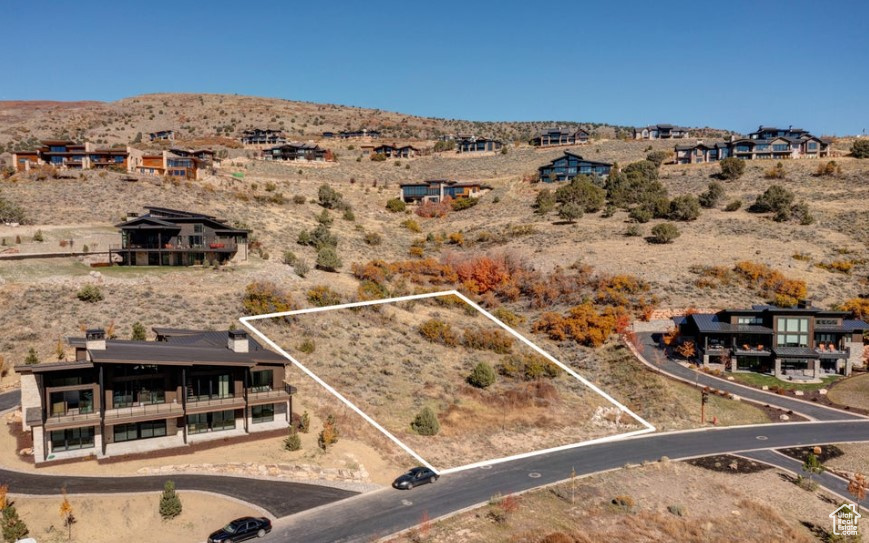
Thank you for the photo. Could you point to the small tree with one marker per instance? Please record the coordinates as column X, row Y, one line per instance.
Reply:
column 812, row 465
column 687, row 349
column 301, row 267
column 396, row 205
column 545, row 202
column 860, row 148
column 426, row 423
column 13, row 528
column 664, row 233
column 170, row 503
column 32, row 357
column 327, row 259
column 658, row 157
column 483, row 376
column 304, row 422
column 38, row 236
column 732, row 168
column 714, row 194
column 90, row 293
column 138, row 332
column 59, row 351
column 67, row 515
column 684, row 208
column 570, row 212
column 293, row 442
column 857, row 487
column 329, row 434
column 776, row 199
column 329, row 197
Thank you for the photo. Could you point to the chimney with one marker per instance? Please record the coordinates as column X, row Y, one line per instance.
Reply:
column 237, row 341
column 95, row 339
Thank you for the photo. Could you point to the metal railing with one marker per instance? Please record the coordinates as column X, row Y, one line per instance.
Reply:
column 142, row 410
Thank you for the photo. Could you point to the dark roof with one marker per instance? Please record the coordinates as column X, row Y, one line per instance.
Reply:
column 795, row 352
column 853, row 325
column 709, row 323
column 137, row 223
column 571, row 153
column 53, row 366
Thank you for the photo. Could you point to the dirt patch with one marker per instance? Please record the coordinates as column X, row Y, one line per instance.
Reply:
column 725, row 463
column 828, row 452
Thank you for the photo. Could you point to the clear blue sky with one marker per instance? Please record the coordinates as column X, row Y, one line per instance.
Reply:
column 731, row 64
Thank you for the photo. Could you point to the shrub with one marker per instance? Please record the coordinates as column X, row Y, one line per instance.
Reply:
column 138, row 332
column 640, row 214
column 325, row 218
column 378, row 157
column 301, row 267
column 10, row 212
column 90, row 293
column 369, row 290
column 732, row 168
column 528, row 367
column 714, row 193
column 583, row 193
column 684, row 208
column 38, row 236
column 658, row 157
column 544, row 202
column 329, row 434
column 664, row 233
column 776, row 172
column 265, row 297
column 426, row 423
column 293, row 442
column 859, row 307
column 318, row 238
column 457, row 238
column 437, row 331
column 637, row 184
column 32, row 357
column 800, row 211
column 633, row 231
column 322, row 296
column 431, row 209
column 307, row 346
column 327, row 259
column 734, row 205
column 304, row 422
column 496, row 341
column 508, row 317
column 776, row 198
column 829, row 169
column 624, row 502
column 348, row 215
column 860, row 148
column 396, row 205
column 570, row 212
column 372, row 238
column 676, row 509
column 411, row 225
column 290, row 258
column 329, row 198
column 170, row 503
column 298, row 199
column 13, row 528
column 482, row 376
column 460, row 204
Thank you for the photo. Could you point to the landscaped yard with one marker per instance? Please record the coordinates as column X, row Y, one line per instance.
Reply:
column 853, row 391
column 759, row 380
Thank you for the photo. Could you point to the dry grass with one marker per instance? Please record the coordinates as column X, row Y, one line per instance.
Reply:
column 853, row 391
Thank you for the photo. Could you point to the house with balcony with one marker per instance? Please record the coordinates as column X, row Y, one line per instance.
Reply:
column 702, row 152
column 661, row 132
column 767, row 143
column 298, row 151
column 127, row 397
column 473, row 144
column 435, row 190
column 570, row 165
column 263, row 136
column 162, row 135
column 396, row 151
column 795, row 343
column 175, row 163
column 70, row 155
column 169, row 237
column 353, row 134
column 558, row 136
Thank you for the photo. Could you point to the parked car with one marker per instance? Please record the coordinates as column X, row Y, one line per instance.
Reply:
column 241, row 529
column 415, row 477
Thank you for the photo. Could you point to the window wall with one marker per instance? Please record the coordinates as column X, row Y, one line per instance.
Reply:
column 72, row 439
column 792, row 332
column 263, row 413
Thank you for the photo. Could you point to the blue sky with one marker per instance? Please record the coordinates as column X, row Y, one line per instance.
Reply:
column 731, row 65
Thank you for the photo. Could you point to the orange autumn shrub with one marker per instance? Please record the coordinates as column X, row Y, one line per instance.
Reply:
column 859, row 307
column 583, row 324
column 496, row 341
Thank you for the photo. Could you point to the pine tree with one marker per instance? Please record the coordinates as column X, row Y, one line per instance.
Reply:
column 32, row 357
column 170, row 503
column 138, row 332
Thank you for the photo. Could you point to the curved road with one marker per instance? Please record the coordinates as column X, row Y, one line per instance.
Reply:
column 654, row 357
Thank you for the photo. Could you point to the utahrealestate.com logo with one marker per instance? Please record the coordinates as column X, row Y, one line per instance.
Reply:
column 845, row 519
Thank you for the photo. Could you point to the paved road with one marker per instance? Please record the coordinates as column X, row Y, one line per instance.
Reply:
column 378, row 514
column 656, row 358
column 826, row 480
column 10, row 399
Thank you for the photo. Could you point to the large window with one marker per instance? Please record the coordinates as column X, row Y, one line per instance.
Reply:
column 749, row 320
column 72, row 439
column 139, row 391
column 261, row 381
column 217, row 421
column 141, row 430
column 72, row 402
column 206, row 387
column 792, row 332
column 263, row 413
column 780, row 147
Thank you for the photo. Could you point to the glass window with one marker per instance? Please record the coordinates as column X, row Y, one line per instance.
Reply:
column 72, row 439
column 262, row 380
column 263, row 413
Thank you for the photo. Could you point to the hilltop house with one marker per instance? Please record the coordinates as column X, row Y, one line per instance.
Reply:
column 436, row 190
column 558, row 136
column 68, row 154
column 297, row 151
column 348, row 134
column 800, row 342
column 397, row 151
column 121, row 397
column 169, row 237
column 162, row 135
column 175, row 163
column 660, row 132
column 263, row 136
column 766, row 143
column 472, row 144
column 570, row 165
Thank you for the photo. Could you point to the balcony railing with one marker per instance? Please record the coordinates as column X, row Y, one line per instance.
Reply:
column 268, row 392
column 209, row 244
column 134, row 411
column 207, row 401
column 72, row 416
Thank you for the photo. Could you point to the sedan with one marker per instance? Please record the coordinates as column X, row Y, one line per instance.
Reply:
column 241, row 529
column 415, row 477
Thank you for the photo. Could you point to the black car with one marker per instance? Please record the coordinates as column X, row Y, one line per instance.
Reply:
column 415, row 477
column 241, row 529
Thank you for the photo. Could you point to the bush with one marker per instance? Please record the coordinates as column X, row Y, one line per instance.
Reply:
column 776, row 198
column 307, row 346
column 508, row 317
column 325, row 218
column 304, row 422
column 13, row 528
column 426, row 423
column 170, row 503
column 664, row 233
column 496, row 341
column 329, row 197
column 570, row 212
column 327, row 259
column 265, row 297
column 684, row 208
column 372, row 238
column 637, row 184
column 318, row 238
column 633, row 231
column 437, row 331
column 732, row 168
column 293, row 442
column 290, row 258
column 298, row 199
column 583, row 193
column 378, row 157
column 301, row 267
column 411, row 225
column 431, row 209
column 860, row 148
column 734, row 205
column 658, row 157
column 329, row 434
column 640, row 214
column 32, row 357
column 528, row 367
column 829, row 169
column 38, row 236
column 714, row 193
column 138, row 332
column 348, row 215
column 776, row 172
column 396, row 205
column 10, row 212
column 544, row 202
column 460, row 204
column 322, row 296
column 90, row 293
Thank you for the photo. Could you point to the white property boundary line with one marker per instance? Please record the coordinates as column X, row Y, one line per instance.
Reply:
column 246, row 321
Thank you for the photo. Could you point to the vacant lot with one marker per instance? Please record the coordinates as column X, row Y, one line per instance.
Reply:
column 853, row 391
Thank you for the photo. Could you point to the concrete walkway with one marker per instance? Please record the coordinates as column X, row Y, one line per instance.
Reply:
column 655, row 359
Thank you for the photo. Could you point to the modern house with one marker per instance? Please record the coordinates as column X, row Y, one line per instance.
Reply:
column 175, row 163
column 766, row 143
column 396, row 151
column 68, row 154
column 472, row 144
column 204, row 156
column 126, row 397
column 160, row 135
column 169, row 237
column 660, row 132
column 800, row 342
column 436, row 190
column 349, row 134
column 263, row 136
column 570, row 165
column 298, row 151
column 558, row 136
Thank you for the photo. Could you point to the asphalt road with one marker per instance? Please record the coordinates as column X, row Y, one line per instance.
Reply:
column 826, row 480
column 10, row 399
column 378, row 514
column 656, row 358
